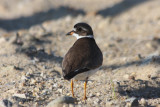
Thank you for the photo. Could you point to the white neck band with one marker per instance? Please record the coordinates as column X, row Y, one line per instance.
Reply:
column 79, row 36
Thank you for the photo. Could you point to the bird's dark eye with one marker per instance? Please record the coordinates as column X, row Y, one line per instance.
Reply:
column 79, row 29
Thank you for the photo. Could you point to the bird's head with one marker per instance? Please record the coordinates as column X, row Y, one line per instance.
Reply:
column 81, row 30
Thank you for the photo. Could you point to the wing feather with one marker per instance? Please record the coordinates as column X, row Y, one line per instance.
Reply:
column 82, row 56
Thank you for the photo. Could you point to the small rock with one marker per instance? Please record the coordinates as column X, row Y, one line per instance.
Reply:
column 123, row 104
column 140, row 56
column 18, row 40
column 126, row 76
column 98, row 94
column 5, row 103
column 55, row 85
column 57, row 105
column 143, row 102
column 42, row 74
column 133, row 101
column 28, row 74
column 128, row 104
column 132, row 77
column 37, row 30
column 2, row 40
column 149, row 76
column 61, row 100
column 71, row 105
column 21, row 98
column 96, row 101
column 109, row 103
column 11, row 90
column 148, row 45
column 20, row 95
column 60, row 90
column 33, row 81
column 116, row 84
column 154, row 75
column 65, row 105
column 24, row 77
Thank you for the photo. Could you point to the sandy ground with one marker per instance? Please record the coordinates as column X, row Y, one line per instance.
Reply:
column 33, row 43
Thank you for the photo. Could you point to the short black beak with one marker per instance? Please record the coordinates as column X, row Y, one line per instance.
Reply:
column 70, row 33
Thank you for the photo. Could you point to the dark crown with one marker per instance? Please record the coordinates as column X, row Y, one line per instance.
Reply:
column 83, row 29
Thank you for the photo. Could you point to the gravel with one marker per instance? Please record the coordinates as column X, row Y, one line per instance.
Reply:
column 33, row 44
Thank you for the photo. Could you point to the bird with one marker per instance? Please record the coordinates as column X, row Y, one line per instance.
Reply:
column 84, row 58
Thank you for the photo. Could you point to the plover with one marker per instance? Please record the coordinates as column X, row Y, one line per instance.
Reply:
column 84, row 58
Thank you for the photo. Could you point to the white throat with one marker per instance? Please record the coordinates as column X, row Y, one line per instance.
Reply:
column 79, row 36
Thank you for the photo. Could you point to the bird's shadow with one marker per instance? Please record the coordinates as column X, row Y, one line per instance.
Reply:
column 148, row 89
column 141, row 89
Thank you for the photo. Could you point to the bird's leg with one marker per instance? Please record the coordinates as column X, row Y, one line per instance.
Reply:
column 85, row 86
column 72, row 88
column 76, row 81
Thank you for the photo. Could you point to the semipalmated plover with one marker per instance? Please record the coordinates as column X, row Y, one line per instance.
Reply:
column 84, row 58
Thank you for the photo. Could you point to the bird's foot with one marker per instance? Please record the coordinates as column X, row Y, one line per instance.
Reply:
column 73, row 96
column 84, row 98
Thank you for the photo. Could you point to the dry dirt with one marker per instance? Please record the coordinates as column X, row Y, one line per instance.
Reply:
column 33, row 43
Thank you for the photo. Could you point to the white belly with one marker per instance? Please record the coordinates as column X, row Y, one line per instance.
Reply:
column 84, row 75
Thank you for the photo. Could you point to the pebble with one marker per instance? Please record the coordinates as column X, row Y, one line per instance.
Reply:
column 18, row 40
column 11, row 91
column 71, row 105
column 132, row 77
column 55, row 85
column 61, row 100
column 143, row 102
column 112, row 34
column 96, row 101
column 36, row 30
column 60, row 90
column 28, row 74
column 58, row 105
column 116, row 84
column 5, row 103
column 98, row 94
column 33, row 81
column 42, row 74
column 109, row 103
column 154, row 75
column 63, row 105
column 2, row 40
column 20, row 95
column 132, row 101
column 126, row 76
column 21, row 98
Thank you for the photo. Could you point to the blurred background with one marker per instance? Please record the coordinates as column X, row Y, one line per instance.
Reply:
column 127, row 26
column 127, row 31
